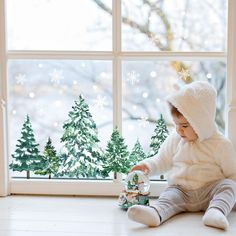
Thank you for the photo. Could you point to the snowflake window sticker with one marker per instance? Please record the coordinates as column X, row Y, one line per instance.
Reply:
column 184, row 74
column 20, row 79
column 154, row 39
column 132, row 77
column 101, row 102
column 143, row 122
column 56, row 76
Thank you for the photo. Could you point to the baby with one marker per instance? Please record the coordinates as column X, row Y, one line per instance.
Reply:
column 200, row 161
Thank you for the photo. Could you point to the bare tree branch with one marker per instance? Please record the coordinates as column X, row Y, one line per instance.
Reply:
column 178, row 66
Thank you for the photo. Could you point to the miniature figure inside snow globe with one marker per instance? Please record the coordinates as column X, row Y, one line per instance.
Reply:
column 136, row 190
column 137, row 181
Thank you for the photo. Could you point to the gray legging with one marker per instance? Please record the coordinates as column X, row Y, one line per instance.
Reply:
column 175, row 199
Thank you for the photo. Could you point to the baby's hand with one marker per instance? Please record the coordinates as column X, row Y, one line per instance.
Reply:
column 142, row 167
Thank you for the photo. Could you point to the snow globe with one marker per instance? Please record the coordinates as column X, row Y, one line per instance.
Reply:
column 136, row 190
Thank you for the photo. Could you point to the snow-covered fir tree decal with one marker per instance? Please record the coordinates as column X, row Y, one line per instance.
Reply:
column 50, row 160
column 80, row 138
column 160, row 134
column 116, row 155
column 26, row 157
column 137, row 154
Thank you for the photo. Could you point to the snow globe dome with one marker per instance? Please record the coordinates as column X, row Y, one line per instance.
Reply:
column 137, row 182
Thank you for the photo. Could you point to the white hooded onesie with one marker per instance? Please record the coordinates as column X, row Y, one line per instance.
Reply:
column 210, row 158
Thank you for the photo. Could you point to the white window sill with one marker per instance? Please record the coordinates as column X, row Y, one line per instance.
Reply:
column 76, row 187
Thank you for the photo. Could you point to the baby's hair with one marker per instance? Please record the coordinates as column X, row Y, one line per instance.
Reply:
column 174, row 111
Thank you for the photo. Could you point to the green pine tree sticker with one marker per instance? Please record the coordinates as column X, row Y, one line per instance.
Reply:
column 26, row 157
column 137, row 154
column 160, row 134
column 135, row 179
column 51, row 160
column 116, row 155
column 83, row 155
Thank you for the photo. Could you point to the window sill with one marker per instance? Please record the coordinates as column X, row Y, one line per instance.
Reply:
column 76, row 187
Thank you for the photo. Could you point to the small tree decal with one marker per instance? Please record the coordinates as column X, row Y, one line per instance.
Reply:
column 137, row 154
column 26, row 157
column 116, row 155
column 50, row 160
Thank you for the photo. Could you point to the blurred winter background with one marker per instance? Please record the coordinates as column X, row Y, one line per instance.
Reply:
column 45, row 89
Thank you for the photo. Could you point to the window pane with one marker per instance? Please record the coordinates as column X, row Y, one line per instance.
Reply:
column 147, row 83
column 58, row 25
column 185, row 25
column 46, row 90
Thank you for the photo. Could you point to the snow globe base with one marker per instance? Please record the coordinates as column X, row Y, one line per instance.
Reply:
column 127, row 199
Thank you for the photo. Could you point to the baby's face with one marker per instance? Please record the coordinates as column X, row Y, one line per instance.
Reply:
column 184, row 129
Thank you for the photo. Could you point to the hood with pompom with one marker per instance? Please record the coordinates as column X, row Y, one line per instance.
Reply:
column 197, row 103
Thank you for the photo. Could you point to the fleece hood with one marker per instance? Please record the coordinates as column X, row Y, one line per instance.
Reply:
column 197, row 103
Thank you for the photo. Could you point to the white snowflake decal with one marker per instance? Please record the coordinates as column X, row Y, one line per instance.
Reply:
column 20, row 79
column 56, row 76
column 143, row 122
column 184, row 74
column 132, row 77
column 154, row 39
column 101, row 102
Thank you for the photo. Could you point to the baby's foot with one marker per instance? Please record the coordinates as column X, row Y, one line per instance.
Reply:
column 144, row 215
column 215, row 218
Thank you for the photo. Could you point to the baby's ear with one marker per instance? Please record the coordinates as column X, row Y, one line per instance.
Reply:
column 190, row 92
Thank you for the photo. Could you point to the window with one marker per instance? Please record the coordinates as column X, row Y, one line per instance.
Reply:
column 45, row 90
column 58, row 25
column 124, row 57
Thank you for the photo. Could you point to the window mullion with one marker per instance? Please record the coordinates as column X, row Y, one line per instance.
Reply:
column 165, row 55
column 100, row 55
column 116, row 40
column 117, row 88
column 78, row 55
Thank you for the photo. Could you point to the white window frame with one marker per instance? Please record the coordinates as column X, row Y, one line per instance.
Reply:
column 103, row 187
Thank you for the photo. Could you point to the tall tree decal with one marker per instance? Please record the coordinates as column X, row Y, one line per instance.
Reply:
column 83, row 157
column 160, row 134
column 26, row 157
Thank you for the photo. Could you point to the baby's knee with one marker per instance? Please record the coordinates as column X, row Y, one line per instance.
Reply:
column 173, row 197
column 228, row 184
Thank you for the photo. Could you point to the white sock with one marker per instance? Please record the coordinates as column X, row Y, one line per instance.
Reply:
column 144, row 215
column 215, row 218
